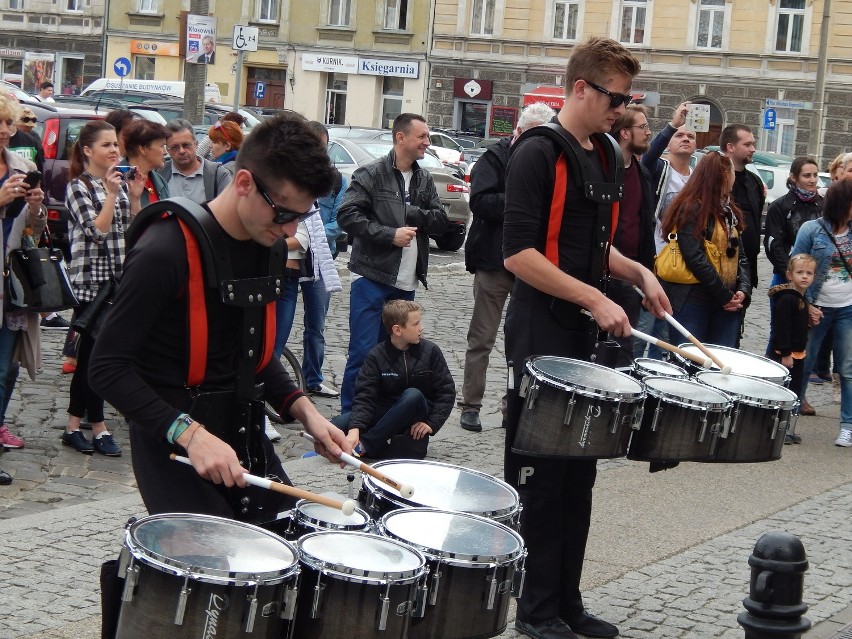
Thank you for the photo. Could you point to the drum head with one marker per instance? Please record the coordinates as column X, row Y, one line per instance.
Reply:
column 447, row 487
column 325, row 516
column 751, row 390
column 449, row 535
column 585, row 377
column 211, row 548
column 656, row 367
column 686, row 392
column 743, row 363
column 361, row 555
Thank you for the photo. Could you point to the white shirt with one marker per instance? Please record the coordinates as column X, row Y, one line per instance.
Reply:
column 406, row 278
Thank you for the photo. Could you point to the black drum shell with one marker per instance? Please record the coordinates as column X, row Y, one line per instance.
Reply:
column 676, row 436
column 753, row 439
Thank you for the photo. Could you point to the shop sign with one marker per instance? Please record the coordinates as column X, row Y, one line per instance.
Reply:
column 11, row 53
column 472, row 89
column 329, row 63
column 389, row 68
column 153, row 47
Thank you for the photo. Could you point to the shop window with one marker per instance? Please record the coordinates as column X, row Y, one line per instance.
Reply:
column 335, row 98
column 789, row 32
column 339, row 12
column 473, row 118
column 565, row 20
column 13, row 71
column 711, row 24
column 392, row 89
column 267, row 10
column 782, row 138
column 71, row 72
column 482, row 17
column 396, row 14
column 143, row 67
column 633, row 14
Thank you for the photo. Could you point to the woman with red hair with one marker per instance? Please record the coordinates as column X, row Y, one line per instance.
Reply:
column 226, row 138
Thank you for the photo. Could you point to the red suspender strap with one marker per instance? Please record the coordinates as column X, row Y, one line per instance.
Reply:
column 557, row 209
column 196, row 307
column 268, row 337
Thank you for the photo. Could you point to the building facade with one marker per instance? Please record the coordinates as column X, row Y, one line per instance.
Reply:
column 741, row 57
column 51, row 40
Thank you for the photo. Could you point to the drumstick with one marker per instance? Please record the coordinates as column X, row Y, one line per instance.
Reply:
column 695, row 341
column 405, row 490
column 706, row 363
column 346, row 507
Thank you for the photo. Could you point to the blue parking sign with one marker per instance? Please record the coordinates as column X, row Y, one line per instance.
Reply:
column 770, row 118
column 259, row 90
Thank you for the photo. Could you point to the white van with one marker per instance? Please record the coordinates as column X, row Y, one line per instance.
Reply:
column 165, row 87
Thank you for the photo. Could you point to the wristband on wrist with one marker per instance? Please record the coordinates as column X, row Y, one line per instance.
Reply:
column 192, row 436
column 178, row 427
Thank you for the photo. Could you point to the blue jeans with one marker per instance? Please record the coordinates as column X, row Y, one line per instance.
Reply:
column 8, row 371
column 315, row 300
column 841, row 320
column 411, row 407
column 710, row 324
column 366, row 300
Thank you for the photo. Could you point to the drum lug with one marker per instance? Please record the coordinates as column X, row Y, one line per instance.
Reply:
column 703, row 433
column 637, row 417
column 775, row 425
column 616, row 416
column 290, row 595
column 519, row 577
column 532, row 393
column 252, row 610
column 569, row 410
column 315, row 604
column 525, row 384
column 384, row 607
column 131, row 576
column 436, row 584
column 420, row 597
column 492, row 587
column 657, row 411
column 123, row 560
column 735, row 417
column 181, row 605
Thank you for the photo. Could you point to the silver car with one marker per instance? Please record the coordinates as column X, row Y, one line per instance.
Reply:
column 348, row 154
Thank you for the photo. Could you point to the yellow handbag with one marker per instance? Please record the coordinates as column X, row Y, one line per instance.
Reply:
column 670, row 266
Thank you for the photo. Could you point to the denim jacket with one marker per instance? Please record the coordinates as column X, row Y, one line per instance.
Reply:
column 813, row 238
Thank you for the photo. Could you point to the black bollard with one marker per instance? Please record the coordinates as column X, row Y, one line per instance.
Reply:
column 774, row 604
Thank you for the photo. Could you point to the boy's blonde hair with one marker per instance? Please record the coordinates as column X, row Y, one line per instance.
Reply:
column 800, row 257
column 395, row 313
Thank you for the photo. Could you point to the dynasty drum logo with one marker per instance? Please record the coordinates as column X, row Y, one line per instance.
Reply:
column 215, row 606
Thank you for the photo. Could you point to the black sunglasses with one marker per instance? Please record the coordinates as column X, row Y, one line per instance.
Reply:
column 283, row 215
column 33, row 120
column 615, row 99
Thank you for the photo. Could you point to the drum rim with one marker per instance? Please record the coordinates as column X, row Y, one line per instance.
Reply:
column 779, row 367
column 751, row 400
column 346, row 573
column 455, row 558
column 678, row 400
column 300, row 517
column 394, row 496
column 682, row 371
column 172, row 566
column 585, row 391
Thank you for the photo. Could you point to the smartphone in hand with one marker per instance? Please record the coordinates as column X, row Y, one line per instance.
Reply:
column 33, row 179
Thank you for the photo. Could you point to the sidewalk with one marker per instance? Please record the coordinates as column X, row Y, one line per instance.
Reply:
column 667, row 555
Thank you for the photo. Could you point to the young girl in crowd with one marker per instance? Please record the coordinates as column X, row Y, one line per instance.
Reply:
column 789, row 332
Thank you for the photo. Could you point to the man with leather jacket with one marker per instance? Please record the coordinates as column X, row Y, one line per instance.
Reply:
column 390, row 209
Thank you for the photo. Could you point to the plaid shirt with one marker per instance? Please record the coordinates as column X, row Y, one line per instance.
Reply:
column 95, row 256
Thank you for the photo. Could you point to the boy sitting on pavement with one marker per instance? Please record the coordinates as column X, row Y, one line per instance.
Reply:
column 404, row 391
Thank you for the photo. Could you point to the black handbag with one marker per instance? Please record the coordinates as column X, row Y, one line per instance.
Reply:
column 36, row 281
column 91, row 320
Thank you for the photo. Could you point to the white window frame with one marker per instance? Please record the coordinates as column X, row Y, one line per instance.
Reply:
column 695, row 11
column 785, row 126
column 148, row 6
column 74, row 5
column 151, row 58
column 617, row 12
column 480, row 28
column 15, row 5
column 775, row 12
column 390, row 9
column 342, row 5
column 271, row 14
column 550, row 19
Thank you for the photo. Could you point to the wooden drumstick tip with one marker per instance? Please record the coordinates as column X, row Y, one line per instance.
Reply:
column 348, row 507
column 406, row 490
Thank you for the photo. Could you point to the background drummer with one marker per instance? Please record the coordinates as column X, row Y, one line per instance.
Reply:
column 544, row 318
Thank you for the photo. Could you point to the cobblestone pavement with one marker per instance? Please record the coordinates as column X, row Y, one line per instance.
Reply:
column 667, row 555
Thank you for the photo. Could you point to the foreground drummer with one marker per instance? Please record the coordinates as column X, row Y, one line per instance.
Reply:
column 142, row 356
column 559, row 255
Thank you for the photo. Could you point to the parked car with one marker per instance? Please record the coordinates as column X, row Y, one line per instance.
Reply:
column 59, row 127
column 348, row 154
column 16, row 91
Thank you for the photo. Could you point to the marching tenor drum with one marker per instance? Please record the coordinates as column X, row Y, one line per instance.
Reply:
column 189, row 575
column 357, row 584
column 646, row 367
column 308, row 516
column 575, row 409
column 441, row 486
column 475, row 567
column 761, row 415
column 741, row 363
column 681, row 421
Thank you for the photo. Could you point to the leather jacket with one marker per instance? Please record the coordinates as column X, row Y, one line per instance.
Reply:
column 374, row 207
column 783, row 220
column 484, row 246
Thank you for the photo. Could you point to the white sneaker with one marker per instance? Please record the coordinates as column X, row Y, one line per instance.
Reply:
column 274, row 435
column 844, row 438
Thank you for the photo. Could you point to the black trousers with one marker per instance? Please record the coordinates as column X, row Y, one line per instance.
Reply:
column 556, row 494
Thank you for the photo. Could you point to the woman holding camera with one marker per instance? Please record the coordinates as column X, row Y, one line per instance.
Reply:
column 22, row 212
column 101, row 202
column 144, row 144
